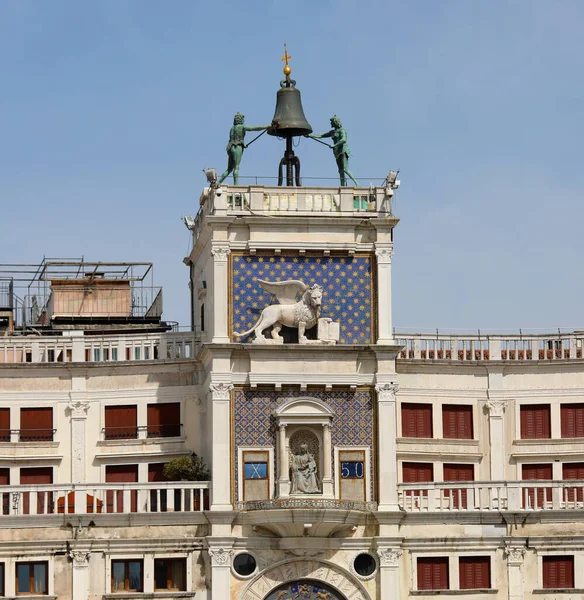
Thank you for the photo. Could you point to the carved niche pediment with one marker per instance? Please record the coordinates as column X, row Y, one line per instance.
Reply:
column 304, row 410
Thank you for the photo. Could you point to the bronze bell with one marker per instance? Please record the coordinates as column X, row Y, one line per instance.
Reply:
column 289, row 120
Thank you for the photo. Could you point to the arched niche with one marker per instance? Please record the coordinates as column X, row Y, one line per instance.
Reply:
column 308, row 418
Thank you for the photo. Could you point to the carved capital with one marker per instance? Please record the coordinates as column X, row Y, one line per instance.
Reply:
column 221, row 391
column 515, row 554
column 80, row 558
column 386, row 392
column 220, row 253
column 78, row 409
column 384, row 255
column 389, row 557
column 496, row 408
column 220, row 557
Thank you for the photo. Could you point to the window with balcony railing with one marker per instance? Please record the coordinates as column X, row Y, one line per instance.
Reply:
column 36, row 425
column 164, row 420
column 121, row 422
column 537, row 496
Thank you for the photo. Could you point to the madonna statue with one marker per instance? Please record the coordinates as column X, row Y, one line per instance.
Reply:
column 304, row 475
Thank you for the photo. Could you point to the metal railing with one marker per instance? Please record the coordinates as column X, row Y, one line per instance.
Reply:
column 104, row 498
column 134, row 432
column 510, row 347
column 491, row 496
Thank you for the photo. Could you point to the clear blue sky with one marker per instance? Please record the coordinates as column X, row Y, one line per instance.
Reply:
column 109, row 110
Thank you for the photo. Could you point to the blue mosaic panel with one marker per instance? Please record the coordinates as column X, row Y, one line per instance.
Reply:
column 347, row 284
column 305, row 590
column 255, row 425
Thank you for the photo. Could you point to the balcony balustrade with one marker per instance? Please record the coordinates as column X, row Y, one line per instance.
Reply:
column 104, row 498
column 514, row 496
column 508, row 348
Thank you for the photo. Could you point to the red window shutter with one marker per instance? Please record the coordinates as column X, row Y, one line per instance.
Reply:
column 36, row 476
column 36, row 424
column 156, row 472
column 535, row 421
column 121, row 474
column 417, row 472
column 458, row 473
column 572, row 420
column 474, row 572
column 4, row 476
column 4, row 424
column 164, row 420
column 433, row 573
column 457, row 422
column 558, row 572
column 573, row 471
column 121, row 422
column 416, row 420
column 534, row 472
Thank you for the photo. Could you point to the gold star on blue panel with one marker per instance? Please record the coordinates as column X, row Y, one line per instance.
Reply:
column 342, row 278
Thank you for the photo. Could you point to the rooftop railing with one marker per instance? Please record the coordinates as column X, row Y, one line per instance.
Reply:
column 476, row 347
column 491, row 496
column 107, row 348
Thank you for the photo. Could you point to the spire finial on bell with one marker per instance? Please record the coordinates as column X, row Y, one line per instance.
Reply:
column 287, row 69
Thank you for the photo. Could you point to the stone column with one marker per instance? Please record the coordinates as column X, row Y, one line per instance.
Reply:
column 327, row 472
column 283, row 475
column 78, row 408
column 515, row 556
column 389, row 572
column 496, row 409
column 220, row 300
column 384, row 317
column 220, row 569
column 387, row 451
column 80, row 560
column 221, row 475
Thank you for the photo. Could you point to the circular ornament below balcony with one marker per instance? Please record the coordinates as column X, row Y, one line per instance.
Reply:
column 364, row 566
column 244, row 565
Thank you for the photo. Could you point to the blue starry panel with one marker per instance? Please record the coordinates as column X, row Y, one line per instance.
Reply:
column 255, row 425
column 347, row 297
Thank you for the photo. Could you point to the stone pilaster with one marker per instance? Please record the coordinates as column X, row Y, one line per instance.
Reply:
column 386, row 440
column 221, row 553
column 389, row 559
column 496, row 410
column 384, row 316
column 80, row 560
column 221, row 472
column 220, row 300
column 78, row 409
column 515, row 556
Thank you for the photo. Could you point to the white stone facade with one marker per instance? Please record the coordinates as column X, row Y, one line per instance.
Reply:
column 379, row 527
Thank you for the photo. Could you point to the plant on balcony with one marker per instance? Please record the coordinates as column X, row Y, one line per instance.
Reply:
column 187, row 468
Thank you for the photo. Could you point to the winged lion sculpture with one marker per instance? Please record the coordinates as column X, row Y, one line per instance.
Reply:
column 303, row 314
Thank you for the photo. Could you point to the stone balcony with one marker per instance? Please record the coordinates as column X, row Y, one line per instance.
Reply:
column 492, row 496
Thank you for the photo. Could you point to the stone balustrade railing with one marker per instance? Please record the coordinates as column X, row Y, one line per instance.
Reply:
column 270, row 200
column 107, row 348
column 491, row 496
column 104, row 498
column 451, row 347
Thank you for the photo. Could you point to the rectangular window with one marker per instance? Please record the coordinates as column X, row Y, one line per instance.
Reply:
column 115, row 498
column 474, row 572
column 127, row 575
column 170, row 574
column 433, row 573
column 32, row 578
column 537, row 496
column 37, row 476
column 573, row 471
column 5, row 498
column 535, row 421
column 558, row 572
column 36, row 424
column 164, row 420
column 121, row 422
column 417, row 473
column 256, row 482
column 4, row 424
column 2, row 579
column 457, row 422
column 416, row 420
column 458, row 473
column 572, row 420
